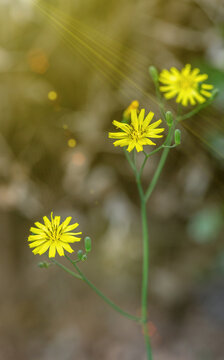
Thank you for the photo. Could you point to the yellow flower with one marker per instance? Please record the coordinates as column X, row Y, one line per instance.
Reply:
column 53, row 236
column 138, row 132
column 134, row 105
column 185, row 84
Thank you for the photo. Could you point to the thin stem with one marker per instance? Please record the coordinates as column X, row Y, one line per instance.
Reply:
column 145, row 276
column 67, row 270
column 161, row 162
column 143, row 164
column 154, row 151
column 127, row 155
column 139, row 186
column 106, row 299
column 199, row 107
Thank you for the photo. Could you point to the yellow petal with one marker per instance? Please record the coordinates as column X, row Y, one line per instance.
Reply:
column 147, row 120
column 123, row 142
column 68, row 238
column 134, row 119
column 154, row 125
column 131, row 146
column 60, row 249
column 70, row 227
column 67, row 247
column 44, row 248
column 36, row 231
column 47, row 222
column 36, row 243
column 117, row 135
column 201, row 77
column 207, row 86
column 52, row 251
column 141, row 117
column 122, row 126
column 36, row 237
column 206, row 93
column 66, row 222
column 41, row 226
column 138, row 147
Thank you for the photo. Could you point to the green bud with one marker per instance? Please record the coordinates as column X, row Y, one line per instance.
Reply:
column 43, row 265
column 154, row 73
column 88, row 244
column 177, row 137
column 80, row 254
column 169, row 118
column 84, row 257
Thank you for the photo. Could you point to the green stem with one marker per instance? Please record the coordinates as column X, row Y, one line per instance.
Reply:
column 145, row 276
column 161, row 162
column 199, row 107
column 127, row 155
column 67, row 270
column 106, row 299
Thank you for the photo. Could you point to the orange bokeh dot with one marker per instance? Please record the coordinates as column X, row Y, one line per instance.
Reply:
column 38, row 61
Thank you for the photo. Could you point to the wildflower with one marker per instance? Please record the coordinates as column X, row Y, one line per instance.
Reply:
column 134, row 105
column 185, row 84
column 138, row 132
column 53, row 236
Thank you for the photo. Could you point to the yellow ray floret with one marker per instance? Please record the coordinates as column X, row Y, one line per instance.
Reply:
column 138, row 133
column 186, row 85
column 53, row 236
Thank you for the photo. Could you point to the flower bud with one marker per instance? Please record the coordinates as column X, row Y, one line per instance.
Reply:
column 88, row 244
column 84, row 257
column 154, row 73
column 169, row 118
column 127, row 113
column 177, row 137
column 80, row 254
column 44, row 265
column 215, row 93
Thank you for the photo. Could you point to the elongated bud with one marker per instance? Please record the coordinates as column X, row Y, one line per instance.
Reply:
column 44, row 265
column 169, row 118
column 177, row 137
column 80, row 254
column 88, row 244
column 154, row 73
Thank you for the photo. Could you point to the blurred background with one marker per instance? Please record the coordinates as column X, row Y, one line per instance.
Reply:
column 67, row 69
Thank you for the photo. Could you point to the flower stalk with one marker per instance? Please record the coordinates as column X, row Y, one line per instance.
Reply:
column 135, row 131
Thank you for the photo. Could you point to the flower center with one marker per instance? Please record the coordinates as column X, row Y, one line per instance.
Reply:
column 186, row 83
column 136, row 135
column 54, row 234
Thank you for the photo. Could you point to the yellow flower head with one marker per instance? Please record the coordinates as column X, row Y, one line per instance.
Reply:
column 185, row 84
column 134, row 105
column 53, row 236
column 138, row 133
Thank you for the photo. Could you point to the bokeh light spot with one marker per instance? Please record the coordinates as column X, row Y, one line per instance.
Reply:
column 38, row 61
column 79, row 158
column 52, row 95
column 71, row 143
